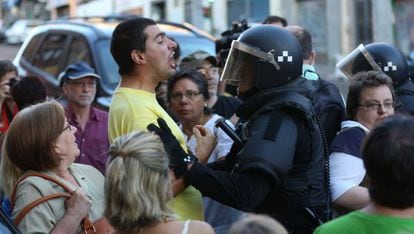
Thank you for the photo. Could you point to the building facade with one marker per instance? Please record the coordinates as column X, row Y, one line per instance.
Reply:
column 337, row 26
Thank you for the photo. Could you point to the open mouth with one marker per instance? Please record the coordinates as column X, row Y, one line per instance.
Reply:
column 172, row 63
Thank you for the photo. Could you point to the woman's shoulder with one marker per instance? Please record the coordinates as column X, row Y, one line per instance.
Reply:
column 33, row 182
column 195, row 226
column 85, row 169
column 179, row 227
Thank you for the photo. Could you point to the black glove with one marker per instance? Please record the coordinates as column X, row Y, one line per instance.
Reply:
column 177, row 155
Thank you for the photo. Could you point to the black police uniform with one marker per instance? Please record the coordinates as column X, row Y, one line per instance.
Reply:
column 280, row 176
column 405, row 97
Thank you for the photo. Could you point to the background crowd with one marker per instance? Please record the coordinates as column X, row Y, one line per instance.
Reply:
column 293, row 156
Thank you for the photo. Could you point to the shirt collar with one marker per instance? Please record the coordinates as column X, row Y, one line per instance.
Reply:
column 70, row 114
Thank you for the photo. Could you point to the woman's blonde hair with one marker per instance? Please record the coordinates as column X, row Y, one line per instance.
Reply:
column 137, row 185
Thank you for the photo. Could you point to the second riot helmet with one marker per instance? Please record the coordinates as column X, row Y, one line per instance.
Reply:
column 376, row 56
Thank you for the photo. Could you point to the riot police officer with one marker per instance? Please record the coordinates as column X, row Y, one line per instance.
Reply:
column 278, row 166
column 389, row 59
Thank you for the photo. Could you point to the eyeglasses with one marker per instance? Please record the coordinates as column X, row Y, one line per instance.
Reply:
column 67, row 127
column 188, row 94
column 374, row 106
column 81, row 84
column 208, row 70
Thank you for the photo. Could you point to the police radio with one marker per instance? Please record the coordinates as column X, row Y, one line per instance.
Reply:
column 221, row 123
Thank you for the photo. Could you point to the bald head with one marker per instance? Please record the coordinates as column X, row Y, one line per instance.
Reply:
column 305, row 40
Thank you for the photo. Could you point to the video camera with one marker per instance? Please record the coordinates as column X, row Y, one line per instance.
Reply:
column 223, row 44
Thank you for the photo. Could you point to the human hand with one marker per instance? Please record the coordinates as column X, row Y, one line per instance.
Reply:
column 79, row 204
column 5, row 87
column 206, row 142
column 176, row 153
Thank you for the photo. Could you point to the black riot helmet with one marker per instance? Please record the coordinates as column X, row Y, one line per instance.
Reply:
column 274, row 52
column 376, row 56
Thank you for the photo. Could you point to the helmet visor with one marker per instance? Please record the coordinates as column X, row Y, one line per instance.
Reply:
column 241, row 57
column 358, row 60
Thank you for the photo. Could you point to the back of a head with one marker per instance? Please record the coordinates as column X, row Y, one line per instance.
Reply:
column 274, row 19
column 304, row 38
column 137, row 175
column 27, row 91
column 388, row 158
column 257, row 224
column 128, row 36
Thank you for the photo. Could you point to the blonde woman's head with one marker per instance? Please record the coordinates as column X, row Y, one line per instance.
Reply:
column 137, row 184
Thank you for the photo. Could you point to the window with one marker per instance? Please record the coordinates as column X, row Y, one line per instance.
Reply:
column 251, row 10
column 51, row 54
column 31, row 48
column 79, row 51
column 363, row 27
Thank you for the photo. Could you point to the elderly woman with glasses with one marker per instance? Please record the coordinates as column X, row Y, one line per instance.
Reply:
column 370, row 99
column 41, row 142
column 188, row 94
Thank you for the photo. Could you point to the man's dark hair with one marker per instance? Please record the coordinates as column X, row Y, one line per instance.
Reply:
column 304, row 38
column 7, row 66
column 388, row 154
column 129, row 35
column 359, row 82
column 28, row 91
column 197, row 78
column 275, row 19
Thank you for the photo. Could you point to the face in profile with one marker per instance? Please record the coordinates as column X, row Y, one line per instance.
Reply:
column 159, row 52
column 66, row 146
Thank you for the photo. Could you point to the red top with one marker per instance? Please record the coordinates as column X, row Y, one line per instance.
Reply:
column 7, row 117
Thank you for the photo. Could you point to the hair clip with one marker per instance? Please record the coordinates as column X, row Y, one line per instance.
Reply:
column 121, row 154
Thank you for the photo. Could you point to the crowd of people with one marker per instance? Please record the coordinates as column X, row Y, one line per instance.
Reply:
column 175, row 153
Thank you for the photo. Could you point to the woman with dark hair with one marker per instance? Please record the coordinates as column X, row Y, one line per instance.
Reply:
column 370, row 99
column 187, row 96
column 38, row 150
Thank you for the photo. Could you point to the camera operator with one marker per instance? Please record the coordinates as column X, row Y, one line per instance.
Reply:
column 223, row 45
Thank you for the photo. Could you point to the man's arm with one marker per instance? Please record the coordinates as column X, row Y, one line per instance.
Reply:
column 354, row 198
column 260, row 162
column 347, row 172
column 242, row 191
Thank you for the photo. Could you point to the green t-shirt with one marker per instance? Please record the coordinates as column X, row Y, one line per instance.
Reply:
column 361, row 222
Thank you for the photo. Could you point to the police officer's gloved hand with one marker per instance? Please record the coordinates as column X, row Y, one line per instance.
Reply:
column 177, row 155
